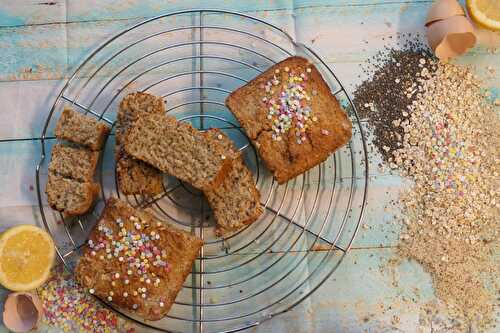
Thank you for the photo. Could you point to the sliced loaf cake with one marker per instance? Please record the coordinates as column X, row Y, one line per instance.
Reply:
column 178, row 149
column 70, row 187
column 291, row 116
column 137, row 177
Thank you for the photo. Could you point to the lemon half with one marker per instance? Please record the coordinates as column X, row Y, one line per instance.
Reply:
column 485, row 13
column 26, row 257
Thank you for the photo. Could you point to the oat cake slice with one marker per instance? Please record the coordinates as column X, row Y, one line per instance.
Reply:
column 135, row 176
column 236, row 201
column 81, row 129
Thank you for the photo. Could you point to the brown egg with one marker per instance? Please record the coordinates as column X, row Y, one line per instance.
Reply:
column 451, row 37
column 22, row 311
column 443, row 9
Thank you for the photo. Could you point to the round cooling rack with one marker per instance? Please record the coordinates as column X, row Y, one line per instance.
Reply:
column 194, row 59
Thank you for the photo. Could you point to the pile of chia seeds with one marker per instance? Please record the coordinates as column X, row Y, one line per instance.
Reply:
column 394, row 83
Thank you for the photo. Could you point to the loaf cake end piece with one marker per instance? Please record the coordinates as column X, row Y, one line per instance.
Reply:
column 135, row 261
column 291, row 116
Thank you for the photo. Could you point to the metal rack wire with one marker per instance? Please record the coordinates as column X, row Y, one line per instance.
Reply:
column 194, row 59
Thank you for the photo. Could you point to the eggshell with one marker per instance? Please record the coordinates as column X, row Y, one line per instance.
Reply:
column 451, row 37
column 443, row 9
column 22, row 311
column 487, row 38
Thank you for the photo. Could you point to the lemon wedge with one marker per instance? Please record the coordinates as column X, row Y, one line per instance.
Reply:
column 26, row 257
column 485, row 13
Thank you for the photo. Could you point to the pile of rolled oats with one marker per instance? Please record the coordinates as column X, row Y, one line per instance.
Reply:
column 450, row 149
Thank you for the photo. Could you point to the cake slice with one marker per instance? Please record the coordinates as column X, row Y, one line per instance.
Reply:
column 70, row 196
column 136, row 262
column 291, row 116
column 236, row 201
column 137, row 177
column 134, row 176
column 73, row 162
column 132, row 107
column 179, row 150
column 81, row 129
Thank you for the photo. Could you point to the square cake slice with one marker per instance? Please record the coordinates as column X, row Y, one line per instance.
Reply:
column 236, row 201
column 291, row 116
column 81, row 129
column 179, row 150
column 134, row 176
column 135, row 261
column 73, row 162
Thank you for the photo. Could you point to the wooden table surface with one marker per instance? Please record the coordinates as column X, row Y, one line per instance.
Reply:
column 42, row 42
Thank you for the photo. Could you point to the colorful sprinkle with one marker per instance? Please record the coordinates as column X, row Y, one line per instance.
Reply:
column 68, row 308
column 135, row 249
column 288, row 109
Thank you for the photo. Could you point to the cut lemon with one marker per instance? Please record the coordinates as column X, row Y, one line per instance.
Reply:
column 26, row 257
column 485, row 13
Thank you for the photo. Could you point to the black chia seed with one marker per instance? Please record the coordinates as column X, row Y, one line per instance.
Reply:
column 392, row 85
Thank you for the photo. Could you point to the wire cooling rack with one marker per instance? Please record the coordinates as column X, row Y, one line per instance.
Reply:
column 194, row 59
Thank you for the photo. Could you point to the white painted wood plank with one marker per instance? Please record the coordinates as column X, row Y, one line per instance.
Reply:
column 26, row 105
column 17, row 173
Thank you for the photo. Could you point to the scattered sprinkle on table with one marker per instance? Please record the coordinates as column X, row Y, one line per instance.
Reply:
column 69, row 308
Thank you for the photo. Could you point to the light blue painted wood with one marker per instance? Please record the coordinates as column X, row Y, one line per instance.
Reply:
column 8, row 20
column 42, row 12
column 52, row 51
